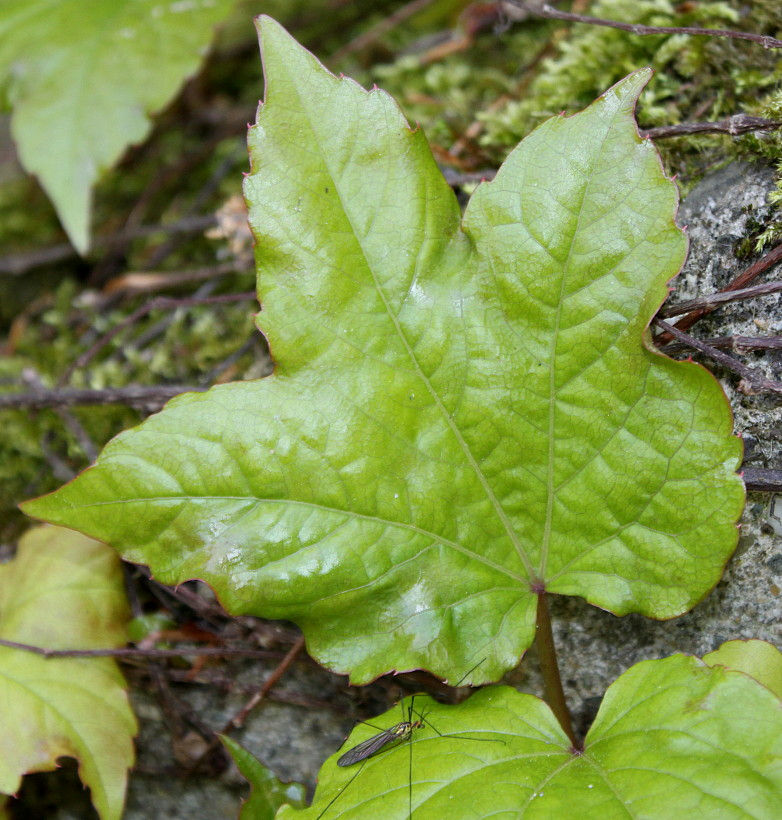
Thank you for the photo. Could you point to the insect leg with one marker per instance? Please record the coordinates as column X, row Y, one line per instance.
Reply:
column 340, row 793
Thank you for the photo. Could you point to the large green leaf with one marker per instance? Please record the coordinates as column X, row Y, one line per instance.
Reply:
column 673, row 739
column 83, row 76
column 64, row 591
column 461, row 414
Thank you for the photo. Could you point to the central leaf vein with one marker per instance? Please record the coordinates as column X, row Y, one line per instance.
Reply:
column 552, row 399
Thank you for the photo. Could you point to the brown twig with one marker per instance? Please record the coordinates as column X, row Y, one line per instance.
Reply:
column 714, row 300
column 149, row 281
column 239, row 718
column 736, row 344
column 33, row 381
column 126, row 652
column 752, row 381
column 735, row 125
column 143, row 398
column 755, row 269
column 636, row 28
column 737, row 283
column 762, row 481
column 160, row 303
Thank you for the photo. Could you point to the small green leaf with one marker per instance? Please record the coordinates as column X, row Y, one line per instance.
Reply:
column 758, row 659
column 268, row 792
column 82, row 78
column 463, row 412
column 64, row 591
column 673, row 739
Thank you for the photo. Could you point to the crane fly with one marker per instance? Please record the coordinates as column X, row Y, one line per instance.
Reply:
column 383, row 741
column 387, row 739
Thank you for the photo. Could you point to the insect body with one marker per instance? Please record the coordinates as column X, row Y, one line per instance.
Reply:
column 388, row 737
column 380, row 742
column 384, row 741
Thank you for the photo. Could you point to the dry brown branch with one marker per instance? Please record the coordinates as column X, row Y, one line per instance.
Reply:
column 751, row 380
column 734, row 125
column 143, row 398
column 550, row 13
column 739, row 282
column 240, row 717
column 762, row 481
column 714, row 300
column 126, row 652
column 736, row 344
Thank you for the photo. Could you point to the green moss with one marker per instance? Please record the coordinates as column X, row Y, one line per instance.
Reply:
column 179, row 351
column 768, row 145
column 592, row 58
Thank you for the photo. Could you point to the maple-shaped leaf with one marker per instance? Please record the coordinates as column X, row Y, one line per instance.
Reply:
column 83, row 77
column 673, row 738
column 64, row 591
column 463, row 412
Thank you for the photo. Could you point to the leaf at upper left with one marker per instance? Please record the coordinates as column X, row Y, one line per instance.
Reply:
column 82, row 78
column 64, row 591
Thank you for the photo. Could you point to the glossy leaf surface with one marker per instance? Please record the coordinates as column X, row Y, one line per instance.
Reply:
column 64, row 591
column 462, row 412
column 673, row 738
column 82, row 78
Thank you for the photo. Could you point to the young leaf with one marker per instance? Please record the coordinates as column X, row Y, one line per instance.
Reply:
column 268, row 792
column 462, row 414
column 83, row 76
column 673, row 738
column 64, row 591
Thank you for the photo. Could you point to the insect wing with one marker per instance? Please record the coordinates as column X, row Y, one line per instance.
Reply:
column 376, row 743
